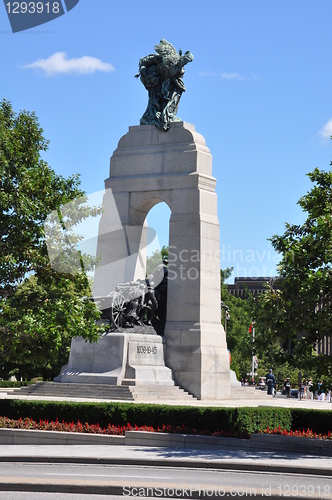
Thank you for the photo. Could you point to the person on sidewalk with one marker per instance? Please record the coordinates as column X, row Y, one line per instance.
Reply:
column 287, row 387
column 303, row 393
column 271, row 382
column 321, row 391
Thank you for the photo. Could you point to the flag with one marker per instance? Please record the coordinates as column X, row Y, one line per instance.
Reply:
column 251, row 327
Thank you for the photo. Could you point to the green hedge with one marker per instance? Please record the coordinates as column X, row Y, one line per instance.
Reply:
column 319, row 421
column 10, row 383
column 238, row 422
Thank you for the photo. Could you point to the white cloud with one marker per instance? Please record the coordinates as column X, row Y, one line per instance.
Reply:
column 59, row 63
column 232, row 76
column 227, row 76
column 326, row 131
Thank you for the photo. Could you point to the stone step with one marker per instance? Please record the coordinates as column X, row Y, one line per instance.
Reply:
column 97, row 391
column 125, row 390
column 128, row 381
column 104, row 391
column 72, row 385
column 245, row 392
column 151, row 390
column 160, row 393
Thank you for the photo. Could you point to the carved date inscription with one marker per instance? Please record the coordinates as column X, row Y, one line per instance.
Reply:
column 146, row 349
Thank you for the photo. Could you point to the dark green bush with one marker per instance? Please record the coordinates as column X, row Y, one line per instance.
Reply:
column 12, row 384
column 239, row 422
column 254, row 420
column 319, row 421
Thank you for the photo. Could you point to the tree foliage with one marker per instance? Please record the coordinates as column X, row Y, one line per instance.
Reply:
column 266, row 347
column 301, row 311
column 41, row 308
column 239, row 340
column 155, row 259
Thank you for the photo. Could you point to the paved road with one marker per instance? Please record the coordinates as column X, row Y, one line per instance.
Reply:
column 161, row 482
column 18, row 495
column 131, row 478
column 162, row 456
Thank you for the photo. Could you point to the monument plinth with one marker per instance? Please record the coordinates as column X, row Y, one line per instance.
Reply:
column 118, row 359
column 150, row 166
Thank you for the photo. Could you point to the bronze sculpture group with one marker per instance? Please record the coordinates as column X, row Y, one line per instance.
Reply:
column 136, row 303
column 161, row 74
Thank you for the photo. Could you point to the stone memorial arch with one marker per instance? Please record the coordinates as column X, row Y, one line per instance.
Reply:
column 147, row 167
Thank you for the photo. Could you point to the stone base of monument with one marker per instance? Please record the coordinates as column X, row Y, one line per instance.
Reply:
column 135, row 393
column 233, row 380
column 118, row 358
column 248, row 392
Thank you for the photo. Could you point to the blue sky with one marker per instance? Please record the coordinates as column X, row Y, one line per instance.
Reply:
column 258, row 90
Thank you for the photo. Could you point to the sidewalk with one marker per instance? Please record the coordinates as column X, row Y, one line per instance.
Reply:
column 271, row 462
column 265, row 400
column 170, row 457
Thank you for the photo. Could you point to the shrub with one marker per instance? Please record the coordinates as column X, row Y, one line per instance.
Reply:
column 237, row 422
column 13, row 384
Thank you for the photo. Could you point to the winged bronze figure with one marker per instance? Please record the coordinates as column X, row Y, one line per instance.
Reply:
column 161, row 74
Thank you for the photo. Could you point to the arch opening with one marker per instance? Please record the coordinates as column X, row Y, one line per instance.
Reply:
column 157, row 220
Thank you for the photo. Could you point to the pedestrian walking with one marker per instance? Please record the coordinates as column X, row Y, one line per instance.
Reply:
column 271, row 382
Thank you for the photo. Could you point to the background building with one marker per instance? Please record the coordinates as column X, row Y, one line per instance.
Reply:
column 253, row 285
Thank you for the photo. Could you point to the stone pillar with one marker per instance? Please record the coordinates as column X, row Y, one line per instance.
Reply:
column 150, row 166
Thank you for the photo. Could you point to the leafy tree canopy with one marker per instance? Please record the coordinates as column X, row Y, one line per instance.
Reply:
column 239, row 340
column 301, row 311
column 41, row 308
column 155, row 259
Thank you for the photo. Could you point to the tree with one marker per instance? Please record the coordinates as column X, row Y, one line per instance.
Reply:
column 41, row 308
column 225, row 274
column 155, row 259
column 301, row 311
column 239, row 340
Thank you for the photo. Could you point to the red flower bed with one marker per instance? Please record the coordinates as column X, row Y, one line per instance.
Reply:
column 45, row 425
column 113, row 430
column 304, row 433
